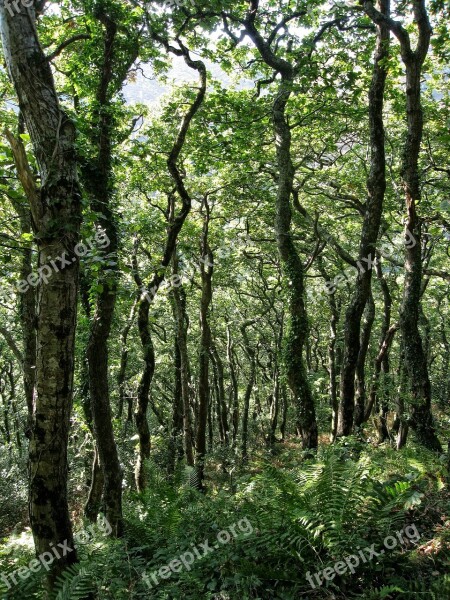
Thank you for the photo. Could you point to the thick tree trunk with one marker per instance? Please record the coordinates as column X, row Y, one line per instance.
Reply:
column 415, row 358
column 56, row 216
column 376, row 187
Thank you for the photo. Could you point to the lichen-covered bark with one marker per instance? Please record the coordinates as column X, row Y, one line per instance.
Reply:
column 56, row 215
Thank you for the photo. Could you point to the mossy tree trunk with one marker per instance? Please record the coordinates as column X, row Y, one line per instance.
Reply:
column 56, row 217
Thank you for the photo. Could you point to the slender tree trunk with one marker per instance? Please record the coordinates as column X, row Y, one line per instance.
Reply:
column 284, row 412
column 251, row 354
column 234, row 389
column 366, row 330
column 122, row 375
column 376, row 187
column 221, row 402
column 382, row 361
column 421, row 420
column 293, row 273
column 176, row 431
column 216, row 401
column 175, row 223
column 274, row 407
column 275, row 404
column 181, row 320
column 205, row 345
column 143, row 393
column 13, row 403
column 98, row 179
column 27, row 305
column 332, row 359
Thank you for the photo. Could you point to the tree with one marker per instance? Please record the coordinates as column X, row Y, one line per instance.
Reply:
column 415, row 361
column 56, row 215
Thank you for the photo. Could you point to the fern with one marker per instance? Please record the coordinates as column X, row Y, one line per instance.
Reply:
column 75, row 583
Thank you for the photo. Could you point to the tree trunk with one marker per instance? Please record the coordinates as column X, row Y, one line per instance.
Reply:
column 234, row 390
column 366, row 331
column 382, row 361
column 284, row 412
column 205, row 345
column 181, row 320
column 251, row 354
column 122, row 375
column 221, row 402
column 98, row 178
column 293, row 273
column 332, row 362
column 175, row 223
column 421, row 420
column 56, row 216
column 376, row 187
column 176, row 431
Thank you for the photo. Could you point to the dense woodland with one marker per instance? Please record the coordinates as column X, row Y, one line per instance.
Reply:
column 224, row 312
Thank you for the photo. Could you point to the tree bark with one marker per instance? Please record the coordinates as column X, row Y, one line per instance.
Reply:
column 222, row 413
column 56, row 216
column 332, row 359
column 176, row 431
column 204, row 350
column 99, row 183
column 234, row 388
column 366, row 330
column 248, row 390
column 421, row 420
column 376, row 187
column 122, row 375
column 181, row 320
column 297, row 329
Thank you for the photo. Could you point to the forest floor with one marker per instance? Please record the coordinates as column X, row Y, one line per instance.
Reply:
column 271, row 529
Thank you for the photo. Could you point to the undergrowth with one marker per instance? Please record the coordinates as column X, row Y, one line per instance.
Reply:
column 304, row 517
